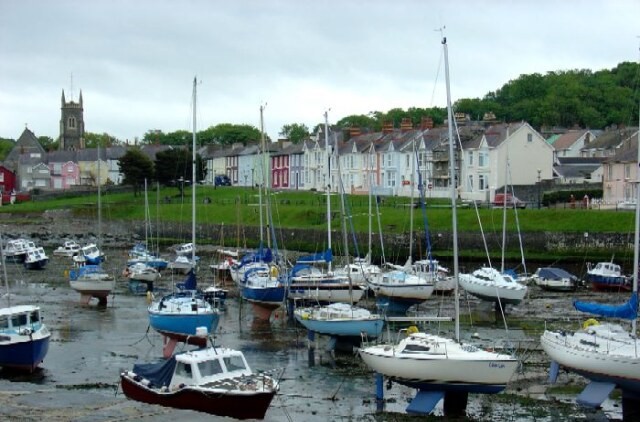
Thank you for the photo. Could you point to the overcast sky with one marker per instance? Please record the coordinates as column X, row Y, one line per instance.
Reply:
column 135, row 60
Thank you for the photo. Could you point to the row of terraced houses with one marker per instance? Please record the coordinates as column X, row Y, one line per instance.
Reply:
column 393, row 161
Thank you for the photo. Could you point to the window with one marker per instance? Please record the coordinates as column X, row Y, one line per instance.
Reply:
column 183, row 369
column 71, row 122
column 209, row 367
column 470, row 183
column 389, row 160
column 408, row 160
column 470, row 158
column 234, row 363
column 627, row 171
column 529, row 137
column 4, row 322
column 391, row 180
column 483, row 159
column 483, row 182
column 19, row 320
column 609, row 171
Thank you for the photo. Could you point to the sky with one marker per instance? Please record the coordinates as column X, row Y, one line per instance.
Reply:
column 135, row 61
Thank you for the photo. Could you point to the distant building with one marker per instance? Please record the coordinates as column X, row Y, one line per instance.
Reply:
column 71, row 124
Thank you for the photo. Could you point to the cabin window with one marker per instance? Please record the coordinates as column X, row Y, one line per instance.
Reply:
column 35, row 317
column 4, row 322
column 234, row 363
column 183, row 369
column 416, row 348
column 209, row 367
column 19, row 320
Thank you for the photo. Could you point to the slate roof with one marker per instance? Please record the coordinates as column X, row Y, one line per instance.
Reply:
column 27, row 143
column 566, row 140
column 628, row 150
column 610, row 139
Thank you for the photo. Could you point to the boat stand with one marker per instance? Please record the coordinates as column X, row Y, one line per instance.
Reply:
column 455, row 402
column 168, row 346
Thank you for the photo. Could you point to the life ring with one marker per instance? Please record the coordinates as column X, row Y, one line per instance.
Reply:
column 588, row 323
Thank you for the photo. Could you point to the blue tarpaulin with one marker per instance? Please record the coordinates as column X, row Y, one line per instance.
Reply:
column 628, row 310
column 158, row 373
column 319, row 257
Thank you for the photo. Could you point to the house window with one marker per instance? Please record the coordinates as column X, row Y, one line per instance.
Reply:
column 470, row 159
column 470, row 183
column 483, row 160
column 482, row 182
column 391, row 180
column 627, row 171
column 389, row 161
column 609, row 171
column 529, row 137
column 408, row 160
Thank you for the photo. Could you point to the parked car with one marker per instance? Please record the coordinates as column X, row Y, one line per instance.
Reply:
column 222, row 180
column 511, row 201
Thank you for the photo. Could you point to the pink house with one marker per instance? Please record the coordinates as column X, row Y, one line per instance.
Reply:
column 64, row 175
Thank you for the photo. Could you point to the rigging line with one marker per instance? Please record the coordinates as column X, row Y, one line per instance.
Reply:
column 475, row 204
column 515, row 211
column 433, row 92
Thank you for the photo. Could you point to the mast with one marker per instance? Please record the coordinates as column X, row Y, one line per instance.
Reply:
column 4, row 270
column 452, row 188
column 328, row 181
column 636, row 244
column 193, row 178
column 413, row 183
column 99, row 205
column 370, row 181
column 264, row 174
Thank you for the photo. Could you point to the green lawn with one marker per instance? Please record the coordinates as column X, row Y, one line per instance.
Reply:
column 303, row 209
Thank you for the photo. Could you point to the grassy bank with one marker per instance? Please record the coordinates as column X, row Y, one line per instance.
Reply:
column 302, row 209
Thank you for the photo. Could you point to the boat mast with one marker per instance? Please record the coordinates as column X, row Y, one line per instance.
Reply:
column 99, row 204
column 193, row 177
column 263, row 177
column 636, row 244
column 452, row 188
column 328, row 182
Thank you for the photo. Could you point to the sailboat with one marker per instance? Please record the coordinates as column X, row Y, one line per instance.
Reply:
column 441, row 367
column 263, row 284
column 88, row 277
column 489, row 284
column 341, row 319
column 402, row 286
column 185, row 315
column 24, row 339
column 607, row 354
column 308, row 282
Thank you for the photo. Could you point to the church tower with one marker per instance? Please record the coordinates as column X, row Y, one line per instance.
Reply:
column 72, row 124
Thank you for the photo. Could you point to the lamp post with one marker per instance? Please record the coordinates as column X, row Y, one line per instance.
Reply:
column 539, row 171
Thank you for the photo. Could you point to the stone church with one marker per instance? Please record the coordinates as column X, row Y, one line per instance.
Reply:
column 72, row 124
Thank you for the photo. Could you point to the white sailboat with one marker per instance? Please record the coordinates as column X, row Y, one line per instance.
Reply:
column 607, row 354
column 489, row 284
column 90, row 279
column 441, row 367
column 308, row 282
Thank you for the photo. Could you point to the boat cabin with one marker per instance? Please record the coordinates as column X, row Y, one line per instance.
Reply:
column 207, row 366
column 19, row 320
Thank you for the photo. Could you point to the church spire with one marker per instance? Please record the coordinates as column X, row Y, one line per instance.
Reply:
column 63, row 98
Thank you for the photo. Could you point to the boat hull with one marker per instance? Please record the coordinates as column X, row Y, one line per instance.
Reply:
column 183, row 327
column 36, row 265
column 343, row 328
column 324, row 292
column 608, row 282
column 594, row 363
column 24, row 354
column 438, row 373
column 492, row 293
column 249, row 405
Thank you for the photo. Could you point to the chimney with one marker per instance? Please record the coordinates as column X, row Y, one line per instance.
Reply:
column 354, row 131
column 387, row 127
column 426, row 123
column 406, row 124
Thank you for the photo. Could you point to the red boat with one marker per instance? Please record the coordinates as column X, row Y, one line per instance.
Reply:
column 214, row 380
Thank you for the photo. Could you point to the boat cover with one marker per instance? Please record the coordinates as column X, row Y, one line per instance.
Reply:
column 554, row 273
column 261, row 255
column 319, row 257
column 189, row 283
column 159, row 373
column 628, row 310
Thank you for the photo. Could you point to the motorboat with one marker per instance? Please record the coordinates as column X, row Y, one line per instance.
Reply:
column 213, row 380
column 69, row 248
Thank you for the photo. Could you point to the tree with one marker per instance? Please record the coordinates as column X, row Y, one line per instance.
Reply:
column 48, row 143
column 295, row 132
column 135, row 167
column 92, row 140
column 229, row 134
column 6, row 145
column 174, row 165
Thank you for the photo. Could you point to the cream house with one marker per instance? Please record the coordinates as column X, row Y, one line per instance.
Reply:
column 505, row 154
column 620, row 173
